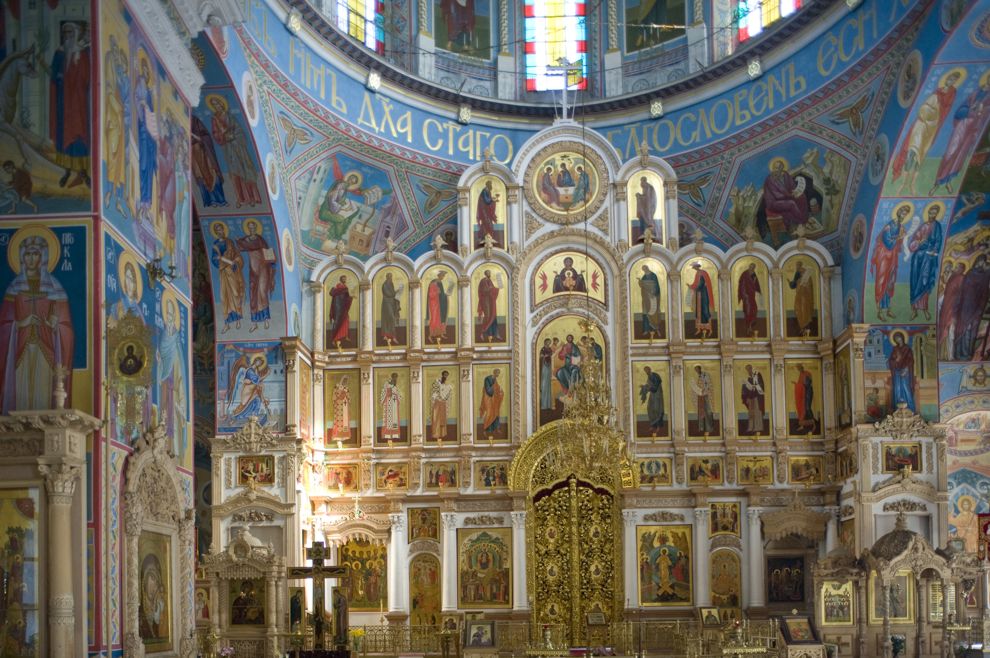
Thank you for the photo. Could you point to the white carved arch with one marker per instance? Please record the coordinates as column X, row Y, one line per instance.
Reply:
column 154, row 501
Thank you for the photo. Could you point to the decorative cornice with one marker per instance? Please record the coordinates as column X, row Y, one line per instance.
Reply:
column 172, row 50
column 25, row 421
column 795, row 519
column 201, row 14
column 662, row 516
column 904, row 505
column 253, row 498
column 903, row 425
column 252, row 437
column 485, row 519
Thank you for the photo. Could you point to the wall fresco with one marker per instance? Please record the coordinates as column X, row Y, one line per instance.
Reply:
column 46, row 75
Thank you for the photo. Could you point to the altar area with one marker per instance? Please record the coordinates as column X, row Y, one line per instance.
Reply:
column 566, row 435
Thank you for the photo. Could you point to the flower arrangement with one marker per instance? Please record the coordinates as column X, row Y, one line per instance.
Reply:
column 226, row 652
column 357, row 633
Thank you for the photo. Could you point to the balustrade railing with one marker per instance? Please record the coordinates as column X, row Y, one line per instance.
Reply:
column 627, row 638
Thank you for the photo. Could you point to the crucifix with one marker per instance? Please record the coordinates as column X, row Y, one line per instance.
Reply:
column 319, row 573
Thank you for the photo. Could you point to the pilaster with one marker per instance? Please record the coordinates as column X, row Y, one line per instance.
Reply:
column 448, row 596
column 702, row 588
column 520, row 596
column 754, row 539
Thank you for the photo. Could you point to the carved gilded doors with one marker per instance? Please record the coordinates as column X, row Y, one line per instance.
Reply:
column 576, row 565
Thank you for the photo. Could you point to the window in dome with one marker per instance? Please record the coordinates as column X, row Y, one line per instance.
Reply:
column 652, row 22
column 464, row 26
column 555, row 31
column 363, row 20
column 752, row 16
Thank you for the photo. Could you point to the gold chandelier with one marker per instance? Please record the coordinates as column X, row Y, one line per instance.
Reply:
column 589, row 439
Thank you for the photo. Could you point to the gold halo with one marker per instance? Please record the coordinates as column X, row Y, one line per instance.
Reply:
column 774, row 161
column 216, row 97
column 985, row 78
column 122, row 261
column 259, row 355
column 945, row 76
column 941, row 209
column 960, row 499
column 893, row 213
column 144, row 58
column 169, row 299
column 252, row 220
column 214, row 225
column 25, row 232
column 354, row 172
column 901, row 332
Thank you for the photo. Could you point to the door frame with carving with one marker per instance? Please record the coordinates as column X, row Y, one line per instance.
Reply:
column 538, row 467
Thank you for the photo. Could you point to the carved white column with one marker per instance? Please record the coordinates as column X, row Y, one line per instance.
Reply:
column 448, row 598
column 466, row 330
column 702, row 590
column 415, row 338
column 675, row 324
column 670, row 215
column 60, row 484
column 520, row 597
column 630, row 559
column 366, row 337
column 831, row 529
column 398, row 567
column 316, row 289
column 368, row 429
column 417, row 424
column 726, row 322
column 754, row 554
column 271, row 609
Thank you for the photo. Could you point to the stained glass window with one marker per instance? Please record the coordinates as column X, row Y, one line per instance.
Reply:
column 555, row 31
column 753, row 16
column 363, row 20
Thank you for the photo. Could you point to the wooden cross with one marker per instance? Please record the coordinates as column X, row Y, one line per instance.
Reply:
column 319, row 573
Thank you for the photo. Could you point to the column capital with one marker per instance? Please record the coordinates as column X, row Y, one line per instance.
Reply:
column 397, row 520
column 60, row 609
column 518, row 519
column 753, row 513
column 629, row 517
column 701, row 513
column 449, row 520
column 60, row 481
